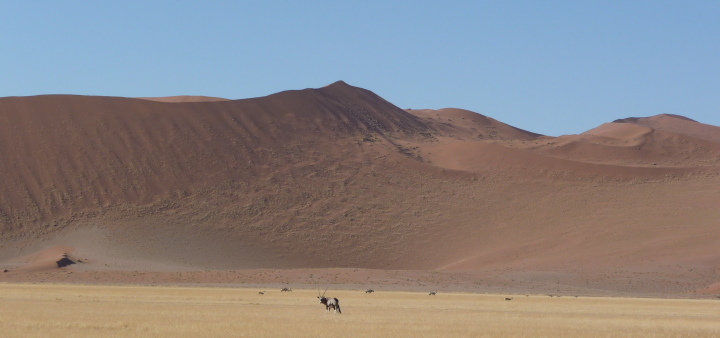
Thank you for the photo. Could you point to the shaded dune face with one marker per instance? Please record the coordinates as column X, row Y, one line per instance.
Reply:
column 339, row 177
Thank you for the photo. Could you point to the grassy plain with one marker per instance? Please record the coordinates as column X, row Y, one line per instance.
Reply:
column 55, row 310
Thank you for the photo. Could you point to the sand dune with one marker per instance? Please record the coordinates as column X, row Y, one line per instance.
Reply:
column 631, row 145
column 337, row 177
column 464, row 123
column 64, row 154
column 677, row 124
column 620, row 131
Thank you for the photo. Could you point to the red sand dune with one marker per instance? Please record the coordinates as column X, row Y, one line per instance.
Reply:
column 677, row 124
column 631, row 145
column 464, row 123
column 339, row 178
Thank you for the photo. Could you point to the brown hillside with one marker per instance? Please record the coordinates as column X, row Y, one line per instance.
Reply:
column 337, row 177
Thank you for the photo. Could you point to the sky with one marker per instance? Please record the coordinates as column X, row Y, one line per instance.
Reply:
column 551, row 67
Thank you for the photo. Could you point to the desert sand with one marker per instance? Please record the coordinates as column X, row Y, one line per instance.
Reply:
column 338, row 186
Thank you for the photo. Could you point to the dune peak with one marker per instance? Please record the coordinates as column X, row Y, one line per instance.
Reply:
column 337, row 83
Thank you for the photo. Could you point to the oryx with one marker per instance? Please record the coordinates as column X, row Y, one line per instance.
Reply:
column 329, row 302
column 433, row 293
column 509, row 298
column 286, row 290
column 369, row 291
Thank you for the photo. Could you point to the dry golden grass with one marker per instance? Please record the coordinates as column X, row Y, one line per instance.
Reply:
column 79, row 311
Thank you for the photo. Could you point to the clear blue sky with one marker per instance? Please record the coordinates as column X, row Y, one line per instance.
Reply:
column 552, row 67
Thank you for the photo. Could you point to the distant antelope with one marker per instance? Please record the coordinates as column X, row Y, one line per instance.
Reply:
column 261, row 292
column 509, row 298
column 329, row 302
column 433, row 293
column 286, row 290
column 369, row 291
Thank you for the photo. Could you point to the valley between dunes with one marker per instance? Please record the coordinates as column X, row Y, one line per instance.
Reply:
column 336, row 186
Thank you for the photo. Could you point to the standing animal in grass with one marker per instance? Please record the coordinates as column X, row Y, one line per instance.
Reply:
column 369, row 291
column 286, row 290
column 433, row 293
column 329, row 302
